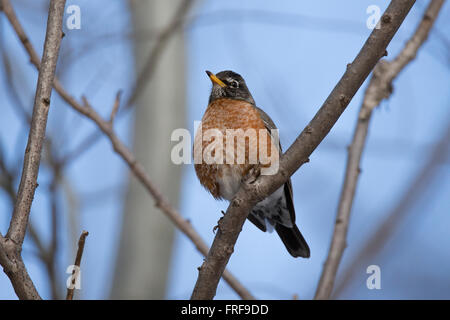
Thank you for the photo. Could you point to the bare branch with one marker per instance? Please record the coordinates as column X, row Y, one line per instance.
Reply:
column 11, row 245
column 400, row 211
column 162, row 38
column 115, row 108
column 47, row 255
column 137, row 168
column 75, row 271
column 36, row 137
column 379, row 88
column 250, row 194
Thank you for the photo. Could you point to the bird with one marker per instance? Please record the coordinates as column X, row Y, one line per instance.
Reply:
column 232, row 107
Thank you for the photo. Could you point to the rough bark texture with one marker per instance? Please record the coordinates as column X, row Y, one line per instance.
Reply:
column 11, row 244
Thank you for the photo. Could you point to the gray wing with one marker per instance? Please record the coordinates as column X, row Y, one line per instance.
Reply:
column 267, row 121
column 269, row 124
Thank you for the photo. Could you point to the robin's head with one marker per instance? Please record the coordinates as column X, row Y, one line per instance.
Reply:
column 229, row 84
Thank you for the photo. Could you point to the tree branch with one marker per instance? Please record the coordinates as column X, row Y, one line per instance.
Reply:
column 76, row 270
column 48, row 257
column 118, row 146
column 379, row 88
column 162, row 38
column 250, row 194
column 416, row 189
column 11, row 244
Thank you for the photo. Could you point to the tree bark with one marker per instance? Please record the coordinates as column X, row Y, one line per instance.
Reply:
column 11, row 244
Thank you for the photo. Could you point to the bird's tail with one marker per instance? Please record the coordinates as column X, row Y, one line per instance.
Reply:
column 293, row 240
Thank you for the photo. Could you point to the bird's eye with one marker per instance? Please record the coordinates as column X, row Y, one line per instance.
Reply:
column 234, row 84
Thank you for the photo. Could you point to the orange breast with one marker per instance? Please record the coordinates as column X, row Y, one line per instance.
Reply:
column 242, row 134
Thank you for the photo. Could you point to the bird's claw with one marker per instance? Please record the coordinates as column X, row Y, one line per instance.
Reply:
column 217, row 226
column 253, row 174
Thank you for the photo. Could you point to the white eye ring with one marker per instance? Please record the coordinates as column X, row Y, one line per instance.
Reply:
column 234, row 84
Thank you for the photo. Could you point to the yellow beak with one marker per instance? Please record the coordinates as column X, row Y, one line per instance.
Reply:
column 214, row 79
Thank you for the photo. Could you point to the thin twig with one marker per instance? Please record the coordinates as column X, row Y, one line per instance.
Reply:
column 137, row 168
column 115, row 108
column 249, row 194
column 399, row 212
column 53, row 247
column 379, row 88
column 11, row 244
column 76, row 270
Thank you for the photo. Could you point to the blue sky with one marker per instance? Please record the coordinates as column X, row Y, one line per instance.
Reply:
column 291, row 54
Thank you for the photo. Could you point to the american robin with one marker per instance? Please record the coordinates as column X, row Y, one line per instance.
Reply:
column 231, row 107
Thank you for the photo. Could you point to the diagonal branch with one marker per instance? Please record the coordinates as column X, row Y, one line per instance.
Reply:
column 120, row 148
column 249, row 194
column 11, row 244
column 145, row 75
column 379, row 88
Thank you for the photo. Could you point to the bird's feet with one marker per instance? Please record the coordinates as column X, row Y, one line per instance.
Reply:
column 253, row 174
column 218, row 222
